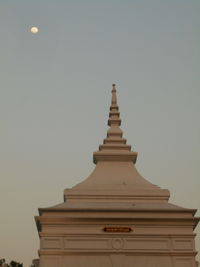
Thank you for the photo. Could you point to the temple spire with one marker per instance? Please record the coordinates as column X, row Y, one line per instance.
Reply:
column 114, row 147
column 114, row 114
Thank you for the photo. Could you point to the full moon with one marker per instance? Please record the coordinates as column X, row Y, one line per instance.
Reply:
column 34, row 30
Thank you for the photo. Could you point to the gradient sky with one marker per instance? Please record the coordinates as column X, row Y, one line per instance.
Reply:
column 55, row 96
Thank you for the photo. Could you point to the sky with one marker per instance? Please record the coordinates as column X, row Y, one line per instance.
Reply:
column 55, row 95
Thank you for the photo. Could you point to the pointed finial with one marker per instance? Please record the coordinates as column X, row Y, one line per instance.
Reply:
column 113, row 87
column 114, row 96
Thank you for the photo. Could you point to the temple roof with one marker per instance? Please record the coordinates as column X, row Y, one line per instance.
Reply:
column 115, row 189
column 115, row 176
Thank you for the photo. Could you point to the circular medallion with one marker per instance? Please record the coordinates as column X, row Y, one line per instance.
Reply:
column 117, row 243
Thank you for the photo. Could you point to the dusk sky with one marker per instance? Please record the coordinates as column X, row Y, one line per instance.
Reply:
column 55, row 92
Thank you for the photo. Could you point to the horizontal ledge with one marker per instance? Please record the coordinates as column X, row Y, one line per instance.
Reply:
column 177, row 222
column 118, row 251
column 112, row 235
column 114, row 156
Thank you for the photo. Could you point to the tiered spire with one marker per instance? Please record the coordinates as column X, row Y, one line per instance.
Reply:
column 114, row 118
column 114, row 147
column 115, row 177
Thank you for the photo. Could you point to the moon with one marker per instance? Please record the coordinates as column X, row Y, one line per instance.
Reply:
column 34, row 30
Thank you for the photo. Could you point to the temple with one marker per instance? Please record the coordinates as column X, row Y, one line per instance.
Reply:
column 115, row 217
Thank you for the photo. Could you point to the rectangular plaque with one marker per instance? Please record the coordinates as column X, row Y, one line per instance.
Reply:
column 115, row 229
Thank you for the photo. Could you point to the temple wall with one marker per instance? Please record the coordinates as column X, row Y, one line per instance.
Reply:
column 84, row 243
column 117, row 260
column 118, row 251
